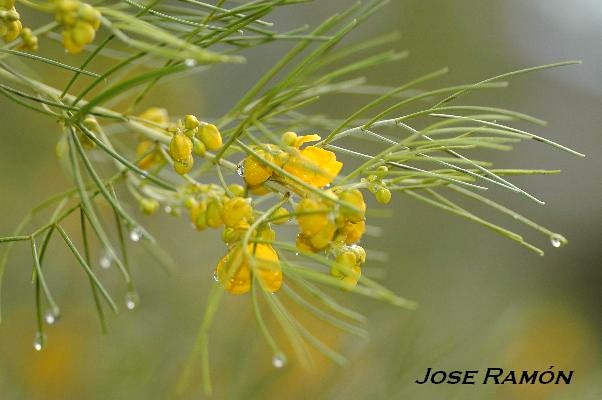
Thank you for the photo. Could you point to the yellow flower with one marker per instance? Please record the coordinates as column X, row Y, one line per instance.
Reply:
column 313, row 216
column 235, row 210
column 234, row 273
column 355, row 198
column 322, row 239
column 347, row 269
column 314, row 165
column 353, row 231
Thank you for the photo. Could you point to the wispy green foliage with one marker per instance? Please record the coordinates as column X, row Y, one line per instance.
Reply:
column 423, row 154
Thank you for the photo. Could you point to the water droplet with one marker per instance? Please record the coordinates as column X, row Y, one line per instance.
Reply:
column 131, row 300
column 143, row 175
column 106, row 260
column 240, row 169
column 279, row 360
column 52, row 316
column 168, row 209
column 136, row 234
column 558, row 240
column 189, row 62
column 215, row 277
column 38, row 342
column 297, row 254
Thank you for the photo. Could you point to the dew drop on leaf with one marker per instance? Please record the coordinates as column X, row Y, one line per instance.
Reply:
column 38, row 342
column 105, row 261
column 279, row 360
column 135, row 235
column 131, row 300
column 557, row 240
column 52, row 316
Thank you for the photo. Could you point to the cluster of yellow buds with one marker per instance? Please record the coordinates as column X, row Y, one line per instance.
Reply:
column 29, row 40
column 236, row 269
column 328, row 226
column 10, row 23
column 80, row 22
column 191, row 135
column 211, row 206
column 377, row 186
column 347, row 265
column 312, row 165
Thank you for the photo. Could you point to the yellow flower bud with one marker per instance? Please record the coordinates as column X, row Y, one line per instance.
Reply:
column 191, row 122
column 30, row 41
column 190, row 203
column 383, row 195
column 90, row 15
column 198, row 215
column 236, row 190
column 13, row 29
column 353, row 231
column 323, row 238
column 231, row 234
column 281, row 216
column 183, row 167
column 235, row 210
column 346, row 269
column 180, row 147
column 82, row 33
column 149, row 206
column 355, row 198
column 214, row 214
column 69, row 44
column 313, row 216
column 289, row 138
column 255, row 172
column 210, row 136
column 199, row 148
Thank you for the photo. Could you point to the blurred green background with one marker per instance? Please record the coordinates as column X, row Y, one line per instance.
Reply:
column 484, row 301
